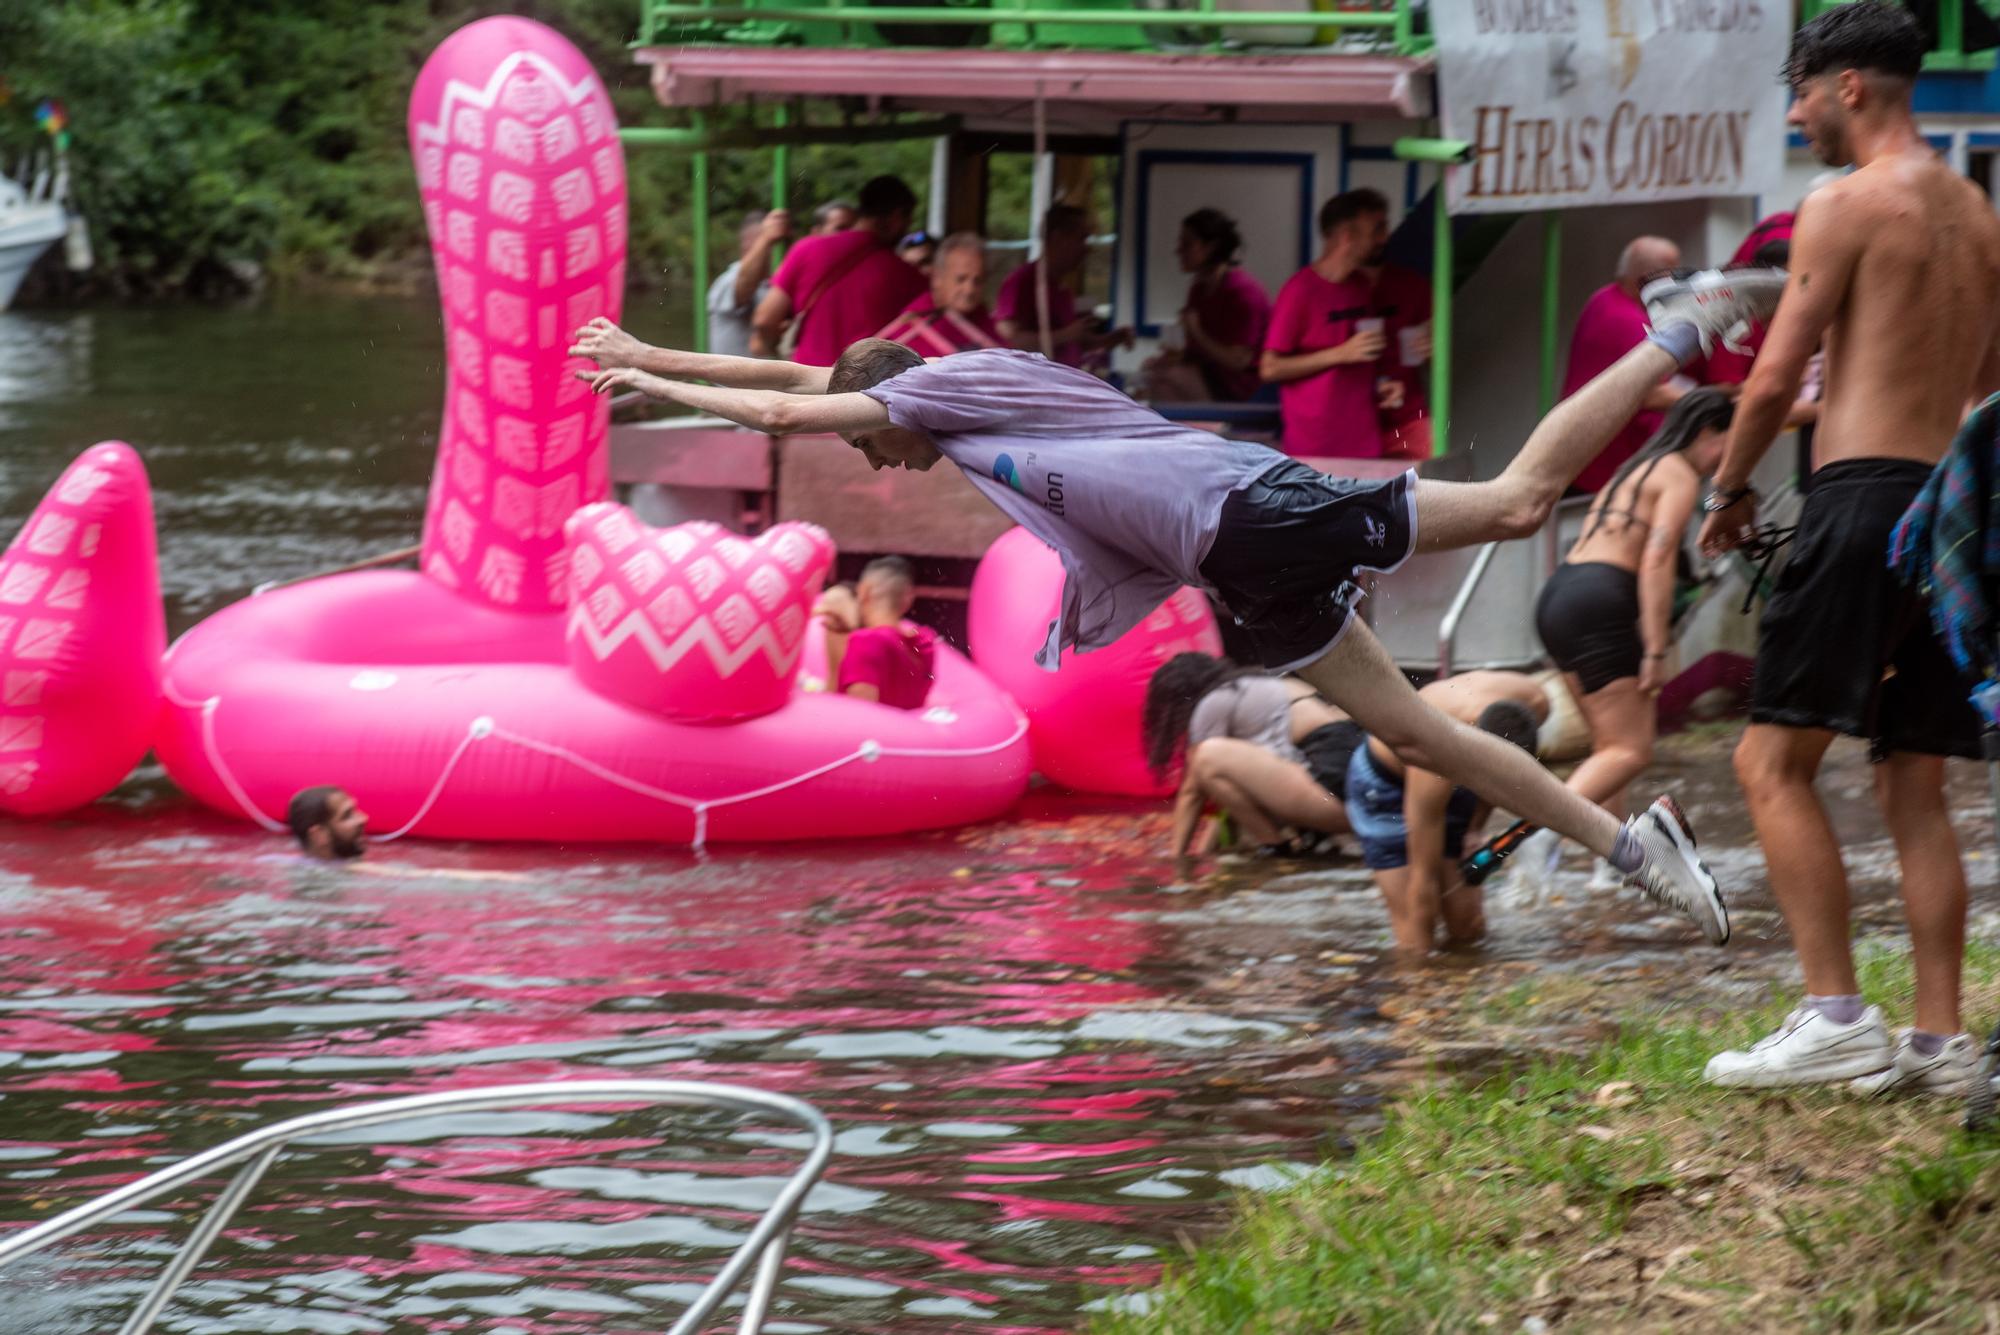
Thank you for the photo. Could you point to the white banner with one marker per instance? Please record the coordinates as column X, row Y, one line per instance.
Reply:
column 1575, row 102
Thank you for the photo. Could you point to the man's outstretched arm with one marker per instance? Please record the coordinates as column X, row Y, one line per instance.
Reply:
column 611, row 348
column 1823, row 257
column 773, row 411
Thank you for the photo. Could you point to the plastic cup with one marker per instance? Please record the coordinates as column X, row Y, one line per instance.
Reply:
column 1406, row 342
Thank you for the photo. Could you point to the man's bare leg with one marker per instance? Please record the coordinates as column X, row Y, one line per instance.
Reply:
column 1518, row 502
column 1776, row 767
column 1358, row 675
column 1910, row 790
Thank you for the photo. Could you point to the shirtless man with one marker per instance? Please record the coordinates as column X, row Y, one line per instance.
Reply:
column 1898, row 266
column 1413, row 824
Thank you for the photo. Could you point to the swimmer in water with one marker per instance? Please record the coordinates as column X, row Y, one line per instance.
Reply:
column 328, row 823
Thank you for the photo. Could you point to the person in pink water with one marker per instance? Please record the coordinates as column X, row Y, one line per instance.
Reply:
column 1325, row 343
column 873, row 651
column 328, row 823
column 1138, row 507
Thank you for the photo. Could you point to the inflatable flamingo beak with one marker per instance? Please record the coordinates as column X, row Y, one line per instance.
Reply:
column 81, row 637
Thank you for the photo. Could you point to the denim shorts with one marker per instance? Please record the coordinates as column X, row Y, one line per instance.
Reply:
column 1375, row 810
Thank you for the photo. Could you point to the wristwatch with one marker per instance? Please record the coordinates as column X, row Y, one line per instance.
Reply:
column 1718, row 500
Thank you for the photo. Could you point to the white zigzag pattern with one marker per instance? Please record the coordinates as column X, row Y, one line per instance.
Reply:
column 702, row 633
column 483, row 98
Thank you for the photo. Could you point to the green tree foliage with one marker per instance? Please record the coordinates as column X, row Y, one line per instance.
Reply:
column 211, row 135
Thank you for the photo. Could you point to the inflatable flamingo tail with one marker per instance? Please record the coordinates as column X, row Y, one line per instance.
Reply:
column 81, row 637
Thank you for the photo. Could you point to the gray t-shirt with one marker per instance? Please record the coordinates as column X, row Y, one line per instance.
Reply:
column 728, row 323
column 1250, row 709
column 1130, row 500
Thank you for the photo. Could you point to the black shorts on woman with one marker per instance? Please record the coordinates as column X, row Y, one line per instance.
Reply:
column 1588, row 618
column 1844, row 645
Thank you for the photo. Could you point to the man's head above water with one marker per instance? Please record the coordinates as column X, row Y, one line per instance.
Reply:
column 328, row 823
column 863, row 366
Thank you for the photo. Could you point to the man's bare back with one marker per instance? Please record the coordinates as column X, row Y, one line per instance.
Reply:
column 1912, row 251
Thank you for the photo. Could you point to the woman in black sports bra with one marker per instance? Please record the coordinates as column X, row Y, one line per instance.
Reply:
column 1605, row 615
column 1266, row 749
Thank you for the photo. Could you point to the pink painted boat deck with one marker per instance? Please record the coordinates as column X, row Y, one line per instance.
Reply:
column 1106, row 84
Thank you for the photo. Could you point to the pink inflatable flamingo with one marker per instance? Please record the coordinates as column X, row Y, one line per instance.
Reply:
column 81, row 633
column 556, row 670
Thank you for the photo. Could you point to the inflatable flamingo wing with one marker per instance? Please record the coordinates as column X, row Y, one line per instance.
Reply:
column 81, row 634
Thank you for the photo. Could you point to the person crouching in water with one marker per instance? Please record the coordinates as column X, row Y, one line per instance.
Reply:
column 1606, row 614
column 328, row 823
column 1414, row 825
column 1265, row 749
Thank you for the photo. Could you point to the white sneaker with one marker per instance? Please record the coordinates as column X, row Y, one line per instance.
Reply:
column 1950, row 1072
column 1721, row 303
column 1808, row 1049
column 1672, row 873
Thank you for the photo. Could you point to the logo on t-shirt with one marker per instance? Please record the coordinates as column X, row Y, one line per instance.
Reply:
column 1004, row 471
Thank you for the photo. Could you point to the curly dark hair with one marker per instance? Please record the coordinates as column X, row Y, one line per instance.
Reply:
column 1213, row 227
column 1176, row 688
column 1863, row 35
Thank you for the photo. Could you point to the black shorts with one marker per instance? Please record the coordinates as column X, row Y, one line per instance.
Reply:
column 1588, row 618
column 1844, row 645
column 1327, row 750
column 1290, row 548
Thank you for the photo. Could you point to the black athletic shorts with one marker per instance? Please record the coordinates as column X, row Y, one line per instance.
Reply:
column 1846, row 646
column 1588, row 618
column 1327, row 750
column 1290, row 548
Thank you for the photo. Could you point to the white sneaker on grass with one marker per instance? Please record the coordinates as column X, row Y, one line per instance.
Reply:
column 1808, row 1049
column 1672, row 873
column 1721, row 303
column 1949, row 1072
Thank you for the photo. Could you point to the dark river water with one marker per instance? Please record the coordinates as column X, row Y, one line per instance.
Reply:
column 1048, row 1070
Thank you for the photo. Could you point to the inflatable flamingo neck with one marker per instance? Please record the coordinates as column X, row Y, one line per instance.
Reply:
column 523, row 185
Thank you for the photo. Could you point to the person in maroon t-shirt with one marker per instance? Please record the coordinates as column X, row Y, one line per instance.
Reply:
column 1221, row 326
column 1403, row 299
column 841, row 288
column 1326, row 342
column 872, row 653
column 1072, row 337
column 1613, row 322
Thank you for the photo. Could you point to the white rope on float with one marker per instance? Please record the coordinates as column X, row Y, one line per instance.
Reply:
column 484, row 727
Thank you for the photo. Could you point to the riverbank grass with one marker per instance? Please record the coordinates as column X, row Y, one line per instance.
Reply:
column 1616, row 1192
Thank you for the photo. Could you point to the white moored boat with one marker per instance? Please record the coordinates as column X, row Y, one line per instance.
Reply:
column 30, row 222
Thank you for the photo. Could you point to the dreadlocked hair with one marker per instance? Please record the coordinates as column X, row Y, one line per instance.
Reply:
column 1176, row 688
column 1704, row 409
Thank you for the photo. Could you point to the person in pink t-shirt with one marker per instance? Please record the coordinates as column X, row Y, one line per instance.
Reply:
column 872, row 652
column 1613, row 323
column 1222, row 325
column 952, row 316
column 1065, row 242
column 845, row 286
column 1324, row 348
column 1403, row 300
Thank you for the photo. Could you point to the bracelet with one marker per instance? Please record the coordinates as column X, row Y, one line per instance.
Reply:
column 1718, row 500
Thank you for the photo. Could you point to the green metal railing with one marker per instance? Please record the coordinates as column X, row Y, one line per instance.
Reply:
column 1949, row 55
column 1017, row 24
